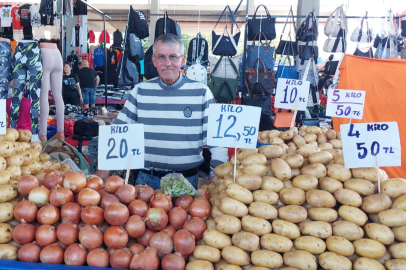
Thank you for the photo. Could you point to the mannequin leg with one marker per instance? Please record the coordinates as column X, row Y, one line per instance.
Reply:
column 5, row 67
column 44, row 104
column 19, row 74
column 56, row 87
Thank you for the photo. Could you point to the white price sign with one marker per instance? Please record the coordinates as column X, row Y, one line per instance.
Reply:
column 362, row 143
column 345, row 103
column 3, row 122
column 227, row 122
column 291, row 93
column 117, row 143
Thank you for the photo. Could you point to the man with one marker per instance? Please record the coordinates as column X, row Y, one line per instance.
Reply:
column 174, row 111
column 88, row 83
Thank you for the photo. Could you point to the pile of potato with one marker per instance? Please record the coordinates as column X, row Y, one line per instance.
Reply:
column 18, row 157
column 294, row 205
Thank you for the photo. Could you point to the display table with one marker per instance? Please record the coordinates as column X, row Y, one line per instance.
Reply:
column 17, row 265
column 110, row 101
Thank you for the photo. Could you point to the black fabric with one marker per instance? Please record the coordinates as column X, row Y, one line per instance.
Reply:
column 79, row 8
column 265, row 123
column 368, row 54
column 379, row 40
column 195, row 51
column 27, row 33
column 222, row 44
column 77, row 29
column 74, row 61
column 100, row 72
column 8, row 32
column 46, row 7
column 47, row 19
column 307, row 51
column 69, row 86
column 287, row 48
column 117, row 39
column 111, row 73
column 111, row 59
column 149, row 68
column 265, row 25
column 172, row 26
column 25, row 17
column 331, row 66
column 137, row 24
column 86, row 127
column 86, row 77
column 308, row 29
column 71, row 101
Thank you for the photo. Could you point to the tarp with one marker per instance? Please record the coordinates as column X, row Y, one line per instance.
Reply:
column 384, row 81
column 16, row 265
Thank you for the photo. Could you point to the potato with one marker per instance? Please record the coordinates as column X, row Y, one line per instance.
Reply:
column 207, row 253
column 375, row 203
column 6, row 212
column 299, row 140
column 306, row 150
column 3, row 163
column 396, row 264
column 46, row 165
column 286, row 228
column 393, row 217
column 361, row 186
column 400, row 233
column 280, row 169
column 27, row 156
column 215, row 211
column 262, row 210
column 255, row 169
column 290, row 151
column 340, row 245
column 235, row 255
column 35, row 166
column 294, row 161
column 336, row 144
column 246, row 241
column 211, row 224
column 305, row 182
column 216, row 239
column 295, row 172
column 394, row 187
column 380, row 233
column 347, row 230
column 270, row 151
column 310, row 138
column 339, row 160
column 276, row 140
column 317, row 170
column 314, row 143
column 329, row 184
column 228, row 267
column 199, row 265
column 294, row 196
column 6, row 231
column 321, row 138
column 227, row 224
column 292, row 213
column 276, row 243
column 233, row 207
column 322, row 214
column 15, row 172
column 271, row 183
column 339, row 172
column 333, row 152
column 313, row 130
column 243, row 153
column 256, row 225
column 266, row 258
column 251, row 182
column 319, row 229
column 25, row 170
column 286, row 135
column 310, row 244
column 331, row 134
column 348, row 197
column 398, row 251
column 254, row 159
column 369, row 248
column 353, row 214
column 239, row 193
column 330, row 260
column 56, row 164
column 367, row 174
column 320, row 198
column 300, row 259
column 8, row 252
column 325, row 147
column 7, row 192
column 35, row 154
column 294, row 130
column 223, row 169
column 267, row 196
column 25, row 135
column 322, row 157
column 6, row 149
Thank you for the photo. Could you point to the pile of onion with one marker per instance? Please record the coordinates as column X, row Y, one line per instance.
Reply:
column 75, row 181
column 26, row 184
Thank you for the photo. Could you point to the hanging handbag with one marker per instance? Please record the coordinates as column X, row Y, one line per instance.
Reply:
column 333, row 25
column 308, row 51
column 258, row 100
column 312, row 100
column 358, row 35
column 225, row 44
column 308, row 29
column 288, row 47
column 331, row 66
column 259, row 75
column 263, row 52
column 267, row 26
column 403, row 53
column 403, row 26
column 312, row 74
column 224, row 89
column 285, row 72
column 382, row 52
column 387, row 41
column 368, row 54
column 334, row 45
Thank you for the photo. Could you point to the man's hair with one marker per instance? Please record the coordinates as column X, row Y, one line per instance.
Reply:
column 84, row 63
column 169, row 39
column 67, row 63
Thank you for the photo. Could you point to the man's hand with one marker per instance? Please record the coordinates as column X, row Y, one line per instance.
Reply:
column 81, row 99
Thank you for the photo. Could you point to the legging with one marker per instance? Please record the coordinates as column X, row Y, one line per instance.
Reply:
column 27, row 57
column 5, row 68
column 53, row 73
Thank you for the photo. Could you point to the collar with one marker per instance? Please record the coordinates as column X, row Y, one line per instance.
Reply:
column 180, row 79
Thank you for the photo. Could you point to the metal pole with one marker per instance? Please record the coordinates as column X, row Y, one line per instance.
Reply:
column 105, row 61
column 62, row 25
column 244, row 56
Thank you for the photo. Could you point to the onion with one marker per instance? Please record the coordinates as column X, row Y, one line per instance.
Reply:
column 87, row 197
column 177, row 217
column 92, row 215
column 52, row 179
column 169, row 230
column 130, row 242
column 145, row 193
column 108, row 199
column 29, row 253
column 63, row 246
column 98, row 257
column 145, row 260
column 184, row 242
column 173, row 261
column 156, row 219
column 60, row 196
column 94, row 182
column 39, row 195
column 200, row 208
column 138, row 207
column 48, row 214
column 52, row 254
column 75, row 181
column 115, row 237
column 75, row 254
column 126, row 194
column 162, row 242
column 91, row 237
column 26, row 184
column 113, row 183
column 135, row 226
column 156, row 191
column 184, row 201
column 116, row 214
column 23, row 233
column 162, row 201
column 136, row 248
column 40, row 176
column 102, row 192
column 121, row 258
column 45, row 235
column 195, row 226
column 146, row 237
column 203, row 193
column 103, row 227
column 71, row 212
column 26, row 210
column 67, row 233
column 50, row 172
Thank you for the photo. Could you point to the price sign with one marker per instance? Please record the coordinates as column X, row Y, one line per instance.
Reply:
column 363, row 142
column 117, row 143
column 228, row 122
column 345, row 103
column 289, row 92
column 3, row 121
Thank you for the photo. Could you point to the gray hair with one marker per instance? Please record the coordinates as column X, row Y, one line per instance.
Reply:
column 169, row 39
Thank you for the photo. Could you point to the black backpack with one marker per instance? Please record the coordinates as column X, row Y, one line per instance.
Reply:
column 86, row 127
column 198, row 50
column 166, row 25
column 150, row 70
column 137, row 23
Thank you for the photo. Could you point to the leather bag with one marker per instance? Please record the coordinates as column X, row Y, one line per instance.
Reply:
column 259, row 75
column 226, row 43
column 265, row 25
column 308, row 51
column 263, row 52
column 335, row 45
column 335, row 22
column 359, row 35
column 331, row 66
column 224, row 89
column 288, row 47
column 308, row 29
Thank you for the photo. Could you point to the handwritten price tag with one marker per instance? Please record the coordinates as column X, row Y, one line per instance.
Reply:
column 363, row 142
column 289, row 92
column 227, row 122
column 3, row 121
column 117, row 143
column 345, row 103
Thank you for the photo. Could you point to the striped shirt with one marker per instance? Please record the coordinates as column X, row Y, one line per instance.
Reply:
column 175, row 123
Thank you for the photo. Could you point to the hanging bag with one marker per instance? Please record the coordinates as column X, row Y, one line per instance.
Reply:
column 198, row 51
column 336, row 21
column 362, row 53
column 136, row 49
column 288, row 47
column 331, row 66
column 259, row 75
column 387, row 47
column 335, row 45
column 312, row 100
column 166, row 25
column 267, row 26
column 263, row 52
column 361, row 36
column 258, row 100
column 308, row 29
column 225, row 44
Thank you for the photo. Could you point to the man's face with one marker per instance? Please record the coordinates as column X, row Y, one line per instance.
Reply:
column 168, row 69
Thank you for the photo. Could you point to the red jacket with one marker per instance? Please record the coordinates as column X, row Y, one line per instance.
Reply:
column 101, row 37
column 91, row 36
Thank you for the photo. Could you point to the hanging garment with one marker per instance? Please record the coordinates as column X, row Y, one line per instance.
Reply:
column 98, row 57
column 27, row 32
column 35, row 15
column 117, row 38
column 5, row 68
column 16, row 18
column 68, row 9
column 77, row 36
column 46, row 7
column 79, row 8
column 91, row 36
column 101, row 37
column 74, row 61
column 25, row 17
column 8, row 32
column 47, row 19
column 112, row 59
column 27, row 58
column 6, row 18
column 13, row 44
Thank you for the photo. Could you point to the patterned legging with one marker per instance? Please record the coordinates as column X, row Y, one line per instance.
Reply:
column 27, row 57
column 5, row 68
